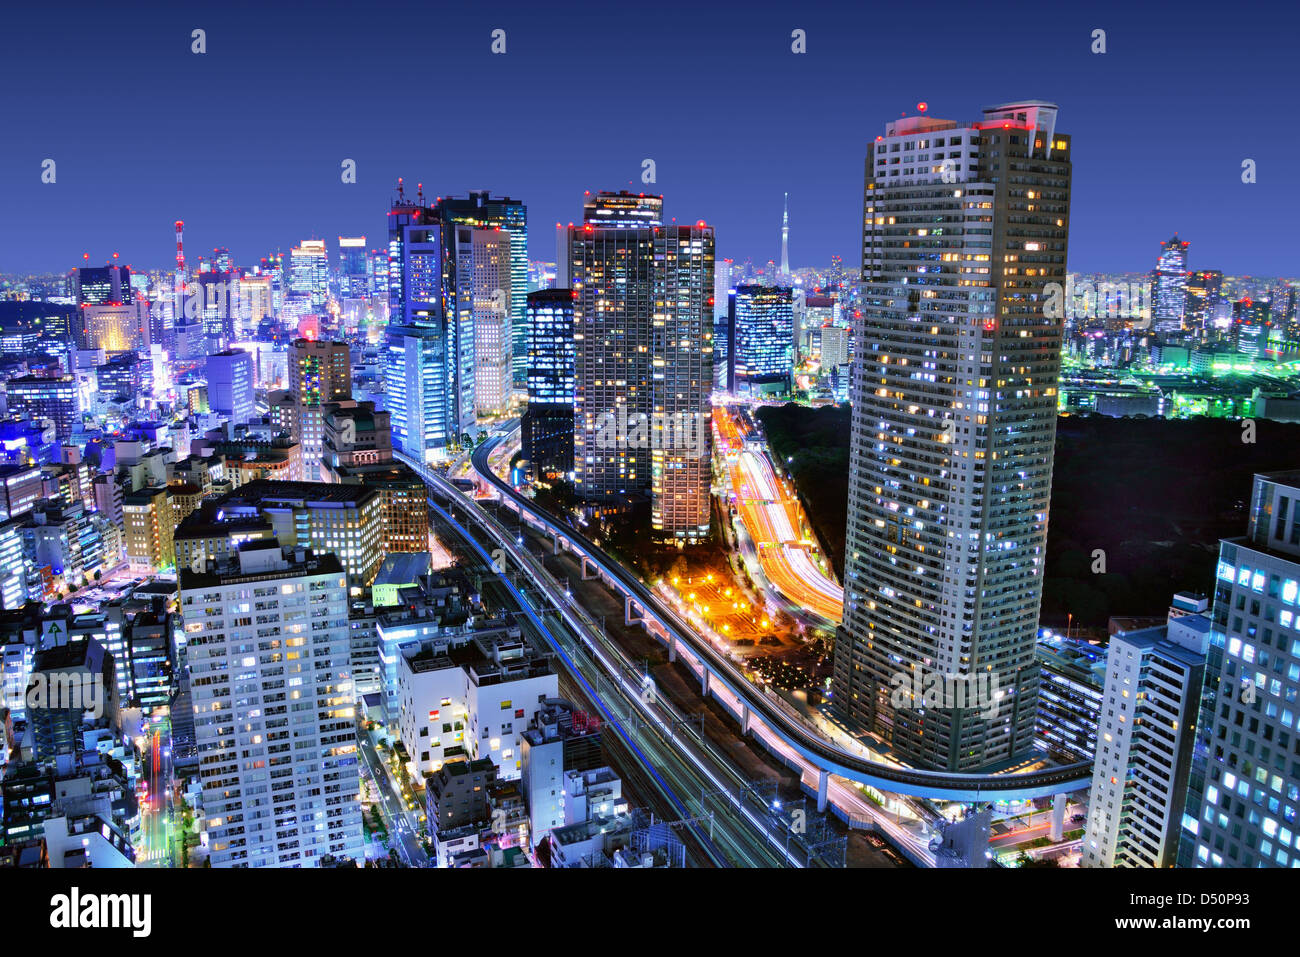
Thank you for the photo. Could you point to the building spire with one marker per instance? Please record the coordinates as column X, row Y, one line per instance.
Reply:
column 785, row 237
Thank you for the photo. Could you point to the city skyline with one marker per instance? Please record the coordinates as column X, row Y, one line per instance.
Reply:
column 513, row 486
column 276, row 178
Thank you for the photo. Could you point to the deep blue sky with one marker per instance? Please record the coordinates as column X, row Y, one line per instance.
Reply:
column 244, row 143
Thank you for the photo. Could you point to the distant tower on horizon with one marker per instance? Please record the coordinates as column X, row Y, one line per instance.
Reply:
column 1169, row 285
column 785, row 237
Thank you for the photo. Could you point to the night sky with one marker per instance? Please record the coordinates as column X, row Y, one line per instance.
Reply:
column 245, row 142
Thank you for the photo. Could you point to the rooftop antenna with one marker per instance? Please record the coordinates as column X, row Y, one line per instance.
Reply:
column 401, row 191
column 419, row 192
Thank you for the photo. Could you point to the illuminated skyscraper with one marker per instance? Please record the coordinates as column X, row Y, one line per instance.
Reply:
column 1245, row 783
column 643, row 363
column 482, row 210
column 102, row 285
column 309, row 276
column 47, row 397
column 353, row 266
column 319, row 372
column 760, row 355
column 547, row 426
column 484, row 291
column 954, row 422
column 429, row 346
column 1204, row 290
column 1169, row 282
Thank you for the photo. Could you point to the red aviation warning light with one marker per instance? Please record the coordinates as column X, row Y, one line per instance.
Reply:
column 922, row 107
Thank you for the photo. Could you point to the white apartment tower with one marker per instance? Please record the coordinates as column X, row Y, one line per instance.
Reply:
column 954, row 420
column 267, row 642
column 1145, row 731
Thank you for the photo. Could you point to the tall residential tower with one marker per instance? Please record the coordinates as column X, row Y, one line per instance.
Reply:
column 954, row 421
column 643, row 362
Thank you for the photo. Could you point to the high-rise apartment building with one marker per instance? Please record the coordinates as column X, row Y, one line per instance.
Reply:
column 267, row 645
column 1145, row 731
column 643, row 360
column 1245, row 782
column 1169, row 286
column 760, row 355
column 954, row 422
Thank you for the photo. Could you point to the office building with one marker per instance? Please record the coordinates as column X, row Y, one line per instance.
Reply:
column 1204, row 293
column 115, row 327
column 547, row 426
column 358, row 450
column 230, row 385
column 267, row 647
column 643, row 360
column 1245, row 783
column 47, row 397
column 102, row 285
column 73, row 683
column 484, row 288
column 1169, row 286
column 760, row 355
column 319, row 372
column 954, row 422
column 834, row 347
column 21, row 487
column 483, row 211
column 353, row 267
column 309, row 276
column 429, row 343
